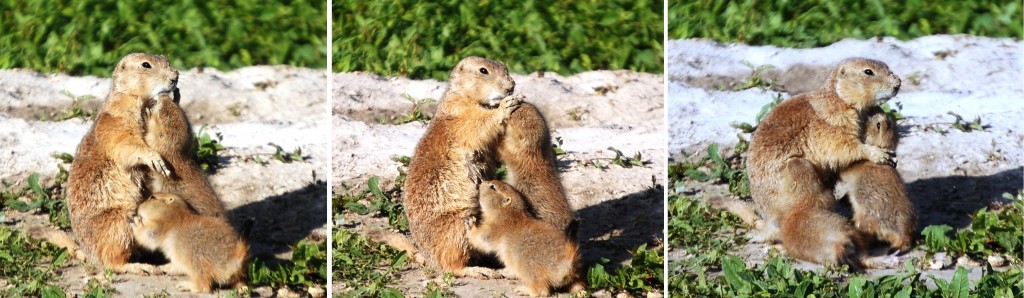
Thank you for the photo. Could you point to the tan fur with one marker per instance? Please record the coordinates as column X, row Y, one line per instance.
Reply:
column 811, row 231
column 452, row 157
column 881, row 207
column 169, row 133
column 206, row 248
column 399, row 242
column 822, row 127
column 538, row 253
column 532, row 167
column 60, row 239
column 105, row 183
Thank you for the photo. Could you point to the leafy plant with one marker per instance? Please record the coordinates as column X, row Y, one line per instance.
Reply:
column 416, row 114
column 207, row 148
column 285, row 157
column 307, row 268
column 626, row 162
column 27, row 266
column 46, row 199
column 76, row 110
column 730, row 169
column 756, row 79
column 366, row 268
column 643, row 274
column 990, row 232
column 41, row 35
column 381, row 203
column 425, row 39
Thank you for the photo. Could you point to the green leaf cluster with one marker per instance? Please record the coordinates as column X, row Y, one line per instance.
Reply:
column 990, row 232
column 643, row 274
column 308, row 267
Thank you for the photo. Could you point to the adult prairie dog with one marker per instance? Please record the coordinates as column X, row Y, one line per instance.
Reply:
column 451, row 158
column 206, row 248
column 821, row 127
column 535, row 251
column 169, row 133
column 532, row 167
column 811, row 230
column 106, row 179
column 881, row 207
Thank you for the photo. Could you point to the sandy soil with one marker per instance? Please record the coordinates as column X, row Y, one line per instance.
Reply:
column 249, row 107
column 620, row 208
column 948, row 176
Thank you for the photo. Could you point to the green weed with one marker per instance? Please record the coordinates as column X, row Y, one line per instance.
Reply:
column 45, row 199
column 207, row 148
column 416, row 114
column 381, row 202
column 730, row 169
column 286, row 157
column 307, row 268
column 366, row 268
column 75, row 110
column 756, row 79
column 990, row 232
column 88, row 37
column 27, row 266
column 818, row 23
column 425, row 39
column 643, row 274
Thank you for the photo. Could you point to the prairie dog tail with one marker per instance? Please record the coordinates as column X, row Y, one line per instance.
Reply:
column 60, row 239
column 399, row 242
column 744, row 210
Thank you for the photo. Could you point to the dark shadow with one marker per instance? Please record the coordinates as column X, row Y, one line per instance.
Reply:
column 278, row 222
column 613, row 228
column 951, row 200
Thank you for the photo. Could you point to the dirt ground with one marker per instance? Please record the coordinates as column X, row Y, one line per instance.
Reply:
column 250, row 107
column 948, row 176
column 620, row 208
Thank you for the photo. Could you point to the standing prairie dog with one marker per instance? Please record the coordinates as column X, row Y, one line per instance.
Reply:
column 881, row 207
column 533, row 169
column 205, row 248
column 441, row 188
column 108, row 172
column 535, row 251
column 822, row 127
column 169, row 133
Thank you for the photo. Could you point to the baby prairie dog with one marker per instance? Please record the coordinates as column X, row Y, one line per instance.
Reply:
column 811, row 231
column 169, row 133
column 532, row 250
column 532, row 167
column 822, row 127
column 450, row 159
column 881, row 207
column 205, row 248
column 106, row 179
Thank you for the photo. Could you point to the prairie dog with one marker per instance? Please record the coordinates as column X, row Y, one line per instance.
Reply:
column 107, row 174
column 450, row 159
column 822, row 127
column 811, row 231
column 881, row 207
column 205, row 248
column 535, row 251
column 533, row 169
column 169, row 133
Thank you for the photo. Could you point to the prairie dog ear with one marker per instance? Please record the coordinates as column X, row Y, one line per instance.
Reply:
column 506, row 201
column 169, row 200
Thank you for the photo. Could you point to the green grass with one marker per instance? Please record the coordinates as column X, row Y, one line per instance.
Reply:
column 643, row 274
column 818, row 23
column 425, row 40
column 307, row 268
column 28, row 266
column 89, row 37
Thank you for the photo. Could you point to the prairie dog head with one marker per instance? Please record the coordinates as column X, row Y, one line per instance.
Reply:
column 864, row 83
column 162, row 205
column 484, row 80
column 144, row 75
column 880, row 131
column 499, row 197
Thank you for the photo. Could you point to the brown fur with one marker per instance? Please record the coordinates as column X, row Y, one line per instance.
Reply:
column 811, row 231
column 451, row 158
column 105, row 183
column 169, row 133
column 532, row 250
column 532, row 167
column 881, row 207
column 206, row 248
column 822, row 127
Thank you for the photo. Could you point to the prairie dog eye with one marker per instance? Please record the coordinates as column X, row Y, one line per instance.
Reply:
column 492, row 187
column 146, row 65
column 869, row 72
column 483, row 70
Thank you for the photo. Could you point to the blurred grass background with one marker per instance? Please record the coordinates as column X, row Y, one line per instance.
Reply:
column 87, row 37
column 424, row 40
column 802, row 24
